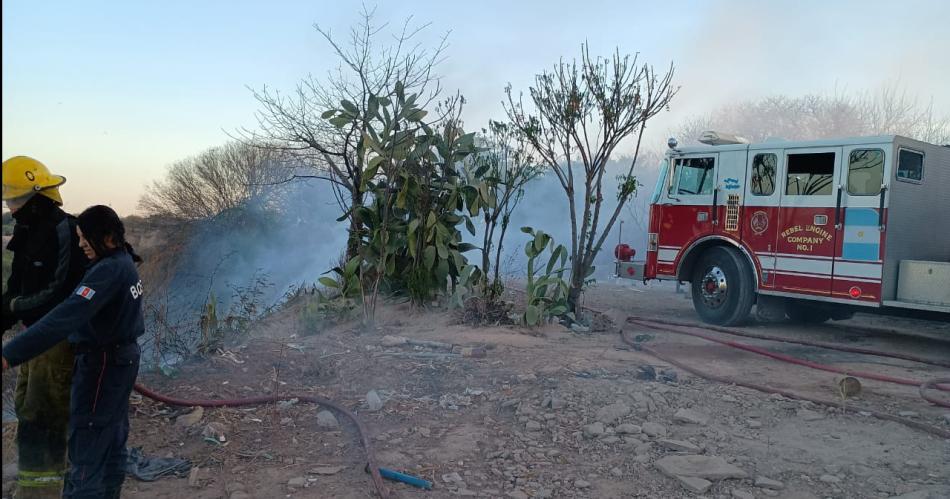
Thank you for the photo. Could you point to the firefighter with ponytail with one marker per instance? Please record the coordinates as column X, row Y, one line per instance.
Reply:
column 103, row 319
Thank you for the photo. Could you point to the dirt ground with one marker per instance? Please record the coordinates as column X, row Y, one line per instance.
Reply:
column 547, row 413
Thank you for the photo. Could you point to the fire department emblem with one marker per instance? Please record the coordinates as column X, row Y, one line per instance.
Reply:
column 759, row 222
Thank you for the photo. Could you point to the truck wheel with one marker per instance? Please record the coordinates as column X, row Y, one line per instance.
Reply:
column 722, row 287
column 805, row 313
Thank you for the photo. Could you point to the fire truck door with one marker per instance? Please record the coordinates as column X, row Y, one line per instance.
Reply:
column 861, row 218
column 760, row 214
column 806, row 235
column 685, row 209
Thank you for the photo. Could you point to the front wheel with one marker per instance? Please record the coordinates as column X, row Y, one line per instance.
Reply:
column 723, row 287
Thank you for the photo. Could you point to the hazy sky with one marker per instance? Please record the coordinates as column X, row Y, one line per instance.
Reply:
column 110, row 93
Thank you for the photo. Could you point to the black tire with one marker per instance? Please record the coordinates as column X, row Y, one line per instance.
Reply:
column 806, row 313
column 723, row 287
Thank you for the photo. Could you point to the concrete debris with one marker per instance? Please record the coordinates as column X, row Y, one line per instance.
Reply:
column 708, row 467
column 690, row 416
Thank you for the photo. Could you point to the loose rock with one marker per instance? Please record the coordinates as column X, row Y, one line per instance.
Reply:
column 690, row 416
column 708, row 467
column 829, row 479
column 678, row 445
column 693, row 484
column 326, row 419
column 654, row 429
column 373, row 401
column 190, row 419
column 628, row 429
column 613, row 412
column 768, row 483
column 594, row 430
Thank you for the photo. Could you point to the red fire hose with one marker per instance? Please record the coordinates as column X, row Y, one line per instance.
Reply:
column 819, row 344
column 787, row 358
column 785, row 393
column 270, row 399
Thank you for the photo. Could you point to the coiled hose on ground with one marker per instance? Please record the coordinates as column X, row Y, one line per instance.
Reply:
column 270, row 399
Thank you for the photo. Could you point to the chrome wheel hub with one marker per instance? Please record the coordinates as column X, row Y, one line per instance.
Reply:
column 714, row 288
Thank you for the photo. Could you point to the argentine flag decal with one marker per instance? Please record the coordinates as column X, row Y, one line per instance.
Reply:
column 862, row 235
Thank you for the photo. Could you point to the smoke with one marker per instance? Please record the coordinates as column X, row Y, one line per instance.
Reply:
column 545, row 206
column 253, row 256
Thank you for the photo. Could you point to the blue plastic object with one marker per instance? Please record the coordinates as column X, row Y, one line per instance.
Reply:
column 404, row 478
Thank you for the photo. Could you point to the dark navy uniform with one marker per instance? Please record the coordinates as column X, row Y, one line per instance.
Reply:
column 103, row 319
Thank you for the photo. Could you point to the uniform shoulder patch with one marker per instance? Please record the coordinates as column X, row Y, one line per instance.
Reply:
column 85, row 292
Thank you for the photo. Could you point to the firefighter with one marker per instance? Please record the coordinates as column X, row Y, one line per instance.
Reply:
column 102, row 317
column 47, row 265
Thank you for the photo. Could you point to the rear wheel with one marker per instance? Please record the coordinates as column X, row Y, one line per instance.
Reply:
column 722, row 287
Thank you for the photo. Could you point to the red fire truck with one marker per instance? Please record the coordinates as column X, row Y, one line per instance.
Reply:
column 818, row 228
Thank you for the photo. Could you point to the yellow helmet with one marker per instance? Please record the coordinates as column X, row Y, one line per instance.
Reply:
column 23, row 176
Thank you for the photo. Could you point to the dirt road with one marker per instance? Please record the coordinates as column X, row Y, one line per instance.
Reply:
column 551, row 413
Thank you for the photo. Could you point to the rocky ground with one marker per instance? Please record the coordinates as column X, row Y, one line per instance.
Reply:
column 553, row 413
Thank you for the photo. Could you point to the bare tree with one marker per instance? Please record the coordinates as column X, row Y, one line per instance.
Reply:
column 304, row 125
column 582, row 111
column 218, row 179
column 887, row 111
column 504, row 165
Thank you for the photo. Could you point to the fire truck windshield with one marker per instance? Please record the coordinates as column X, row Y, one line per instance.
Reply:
column 661, row 181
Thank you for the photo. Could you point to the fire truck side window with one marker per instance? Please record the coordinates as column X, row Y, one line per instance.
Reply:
column 696, row 175
column 763, row 174
column 810, row 174
column 865, row 172
column 910, row 166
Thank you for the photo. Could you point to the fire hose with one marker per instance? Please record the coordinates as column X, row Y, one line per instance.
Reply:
column 640, row 346
column 270, row 399
column 793, row 360
column 819, row 344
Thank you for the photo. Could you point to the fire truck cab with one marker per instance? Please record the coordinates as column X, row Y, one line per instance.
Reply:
column 822, row 228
